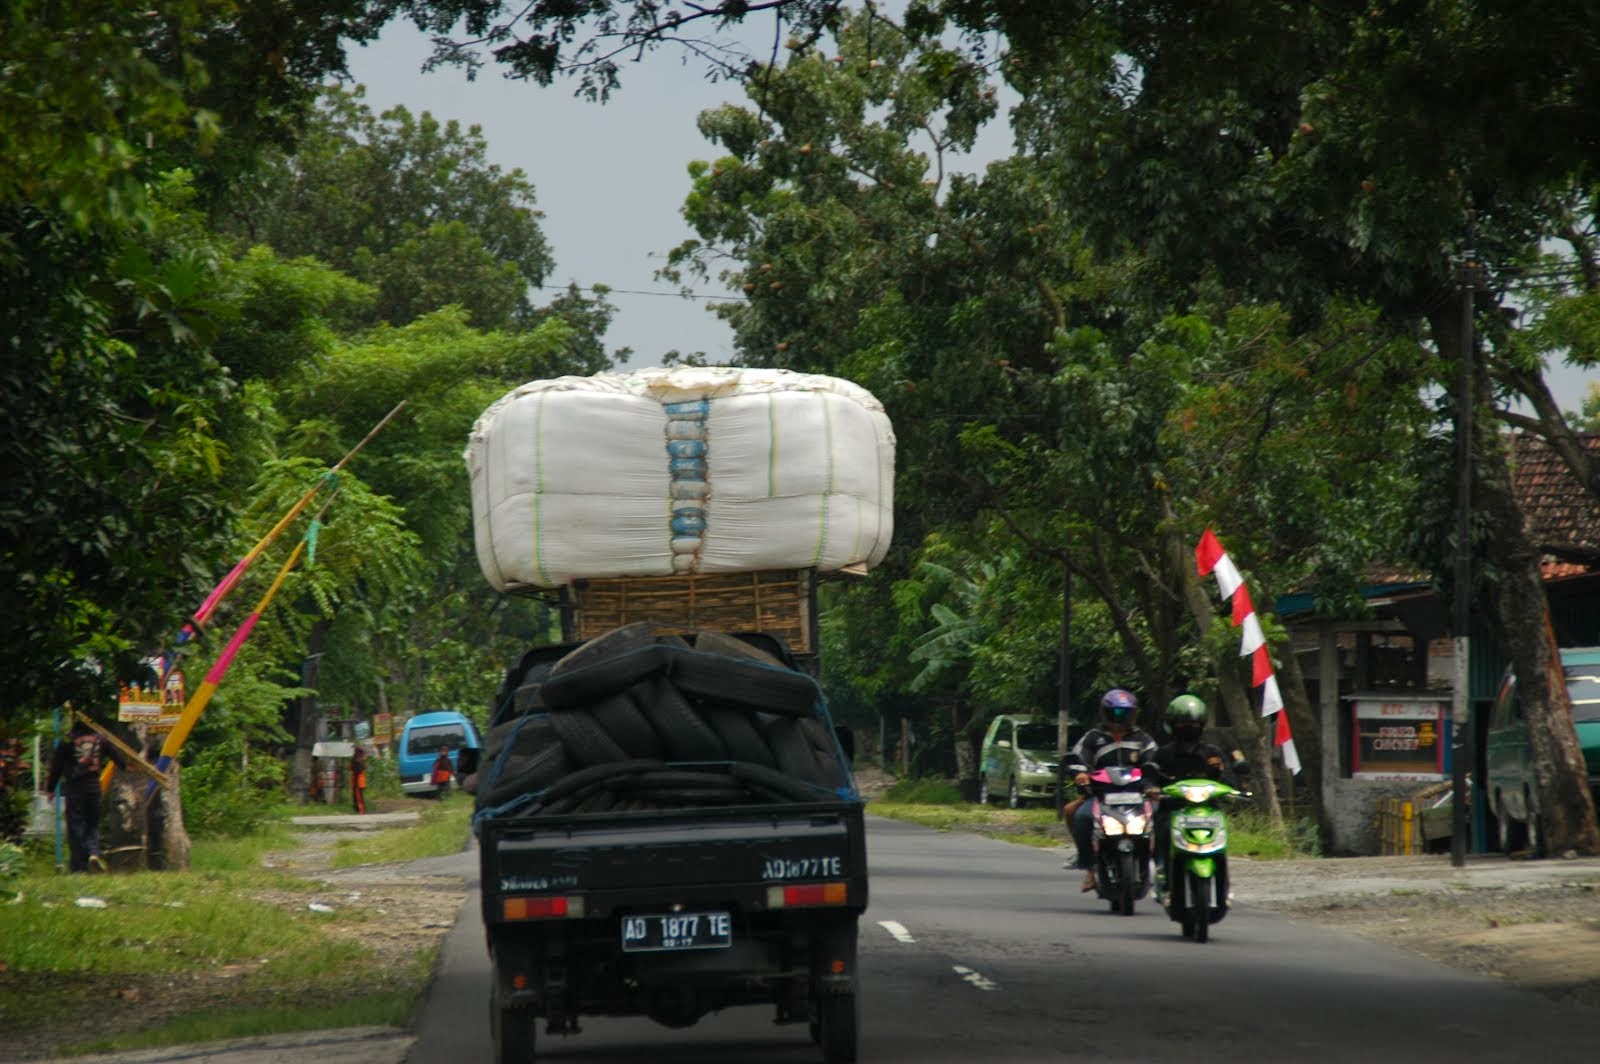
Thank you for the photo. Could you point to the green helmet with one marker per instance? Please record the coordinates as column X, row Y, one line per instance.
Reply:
column 1186, row 708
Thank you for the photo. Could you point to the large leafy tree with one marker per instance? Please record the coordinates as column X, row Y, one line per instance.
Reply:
column 405, row 203
column 115, row 407
column 1348, row 149
column 440, row 636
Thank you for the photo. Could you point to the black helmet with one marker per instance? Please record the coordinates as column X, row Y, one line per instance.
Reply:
column 1186, row 716
column 1119, row 707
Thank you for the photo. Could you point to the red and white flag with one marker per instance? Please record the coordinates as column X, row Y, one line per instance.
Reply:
column 1210, row 558
column 1291, row 759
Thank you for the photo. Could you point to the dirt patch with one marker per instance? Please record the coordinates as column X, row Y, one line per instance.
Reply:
column 1543, row 937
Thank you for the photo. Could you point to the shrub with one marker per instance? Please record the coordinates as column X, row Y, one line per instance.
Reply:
column 228, row 793
column 930, row 790
column 16, row 790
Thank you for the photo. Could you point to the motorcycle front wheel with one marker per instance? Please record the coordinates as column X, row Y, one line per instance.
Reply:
column 1198, row 924
column 1128, row 878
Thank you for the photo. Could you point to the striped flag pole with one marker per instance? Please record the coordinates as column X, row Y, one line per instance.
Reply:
column 192, row 628
column 202, row 696
column 227, row 584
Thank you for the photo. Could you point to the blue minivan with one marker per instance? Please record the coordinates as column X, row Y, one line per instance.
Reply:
column 423, row 736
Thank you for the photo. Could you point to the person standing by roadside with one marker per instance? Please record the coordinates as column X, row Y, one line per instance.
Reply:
column 443, row 770
column 76, row 764
column 358, row 777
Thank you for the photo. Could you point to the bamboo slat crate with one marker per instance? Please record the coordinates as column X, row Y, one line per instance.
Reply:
column 775, row 601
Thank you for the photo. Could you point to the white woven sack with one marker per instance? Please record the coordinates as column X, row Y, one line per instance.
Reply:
column 688, row 469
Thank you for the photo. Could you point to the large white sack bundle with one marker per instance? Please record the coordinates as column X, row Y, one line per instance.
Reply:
column 677, row 470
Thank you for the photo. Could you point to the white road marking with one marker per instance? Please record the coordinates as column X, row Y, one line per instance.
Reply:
column 977, row 979
column 896, row 929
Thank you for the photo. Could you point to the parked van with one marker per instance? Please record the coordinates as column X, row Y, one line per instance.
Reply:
column 421, row 740
column 1018, row 761
column 1511, row 790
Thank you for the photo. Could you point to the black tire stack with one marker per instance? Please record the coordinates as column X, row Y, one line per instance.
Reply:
column 634, row 719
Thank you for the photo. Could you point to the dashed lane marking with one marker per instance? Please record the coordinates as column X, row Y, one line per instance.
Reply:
column 897, row 929
column 977, row 979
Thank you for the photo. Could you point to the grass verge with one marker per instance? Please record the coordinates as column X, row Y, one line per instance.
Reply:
column 225, row 949
column 442, row 831
column 936, row 804
column 1030, row 827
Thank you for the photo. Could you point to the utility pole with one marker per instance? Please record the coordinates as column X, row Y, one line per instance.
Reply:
column 1064, row 686
column 1468, row 272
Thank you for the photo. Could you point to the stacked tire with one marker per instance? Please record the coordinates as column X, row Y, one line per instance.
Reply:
column 639, row 719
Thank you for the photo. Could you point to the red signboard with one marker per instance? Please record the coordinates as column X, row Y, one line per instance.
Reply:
column 1399, row 739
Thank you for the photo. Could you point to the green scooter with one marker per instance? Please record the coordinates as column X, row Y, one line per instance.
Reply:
column 1196, row 891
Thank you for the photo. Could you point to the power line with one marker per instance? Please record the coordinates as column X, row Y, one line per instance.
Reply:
column 595, row 289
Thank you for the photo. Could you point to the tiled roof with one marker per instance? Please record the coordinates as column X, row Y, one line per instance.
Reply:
column 1563, row 518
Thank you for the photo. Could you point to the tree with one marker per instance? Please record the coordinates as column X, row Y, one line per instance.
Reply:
column 117, row 121
column 111, row 510
column 406, row 204
column 1348, row 149
column 588, row 38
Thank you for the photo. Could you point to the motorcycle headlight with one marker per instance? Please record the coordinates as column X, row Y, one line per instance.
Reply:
column 1110, row 825
column 1197, row 794
column 1135, row 825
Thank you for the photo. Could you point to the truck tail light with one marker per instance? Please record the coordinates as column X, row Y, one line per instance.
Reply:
column 557, row 908
column 806, row 894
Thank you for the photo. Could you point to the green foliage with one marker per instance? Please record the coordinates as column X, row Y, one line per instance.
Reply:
column 226, row 789
column 1252, row 834
column 13, row 861
column 1589, row 417
column 16, row 789
column 111, row 511
column 408, row 205
column 924, row 791
column 540, row 42
column 225, row 911
column 286, row 313
column 391, row 1009
column 445, row 829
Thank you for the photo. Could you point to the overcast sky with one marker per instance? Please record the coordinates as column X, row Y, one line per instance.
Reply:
column 611, row 178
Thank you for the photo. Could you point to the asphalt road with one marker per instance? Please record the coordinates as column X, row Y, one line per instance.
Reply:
column 975, row 949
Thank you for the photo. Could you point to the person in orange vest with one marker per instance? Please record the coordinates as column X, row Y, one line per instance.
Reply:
column 443, row 769
column 358, row 777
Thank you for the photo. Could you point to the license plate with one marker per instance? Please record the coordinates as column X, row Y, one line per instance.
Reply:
column 1192, row 822
column 665, row 931
column 1123, row 798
